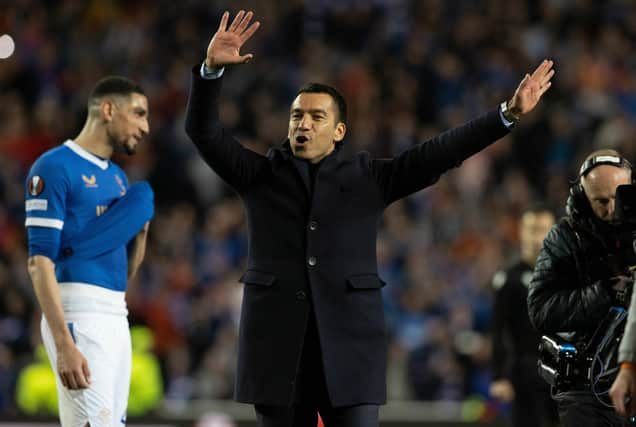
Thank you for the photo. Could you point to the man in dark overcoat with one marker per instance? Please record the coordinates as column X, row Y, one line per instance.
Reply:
column 312, row 332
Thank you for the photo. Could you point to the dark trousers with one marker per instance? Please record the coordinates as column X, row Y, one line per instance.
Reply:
column 533, row 405
column 307, row 416
column 312, row 397
column 583, row 410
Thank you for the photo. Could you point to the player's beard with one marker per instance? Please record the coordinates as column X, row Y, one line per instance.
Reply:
column 128, row 148
column 122, row 145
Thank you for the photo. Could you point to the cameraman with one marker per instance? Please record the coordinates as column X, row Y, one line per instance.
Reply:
column 514, row 340
column 580, row 273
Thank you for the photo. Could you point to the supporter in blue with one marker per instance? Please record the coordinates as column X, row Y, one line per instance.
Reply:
column 87, row 233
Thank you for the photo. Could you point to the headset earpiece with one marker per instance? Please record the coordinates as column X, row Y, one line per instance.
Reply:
column 577, row 205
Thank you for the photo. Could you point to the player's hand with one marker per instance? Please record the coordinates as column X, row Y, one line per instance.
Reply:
column 502, row 390
column 225, row 46
column 622, row 392
column 531, row 88
column 72, row 367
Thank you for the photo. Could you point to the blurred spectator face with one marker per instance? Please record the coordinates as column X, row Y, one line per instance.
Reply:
column 128, row 122
column 600, row 188
column 313, row 128
column 533, row 229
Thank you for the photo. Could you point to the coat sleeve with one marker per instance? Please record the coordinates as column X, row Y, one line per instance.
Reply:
column 236, row 165
column 557, row 301
column 422, row 165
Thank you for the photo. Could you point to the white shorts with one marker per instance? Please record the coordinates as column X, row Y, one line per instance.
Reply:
column 96, row 318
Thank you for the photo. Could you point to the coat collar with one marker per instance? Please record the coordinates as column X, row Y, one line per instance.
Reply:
column 283, row 153
column 284, row 150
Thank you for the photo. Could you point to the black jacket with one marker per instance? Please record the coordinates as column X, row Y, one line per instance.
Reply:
column 317, row 247
column 568, row 291
column 515, row 341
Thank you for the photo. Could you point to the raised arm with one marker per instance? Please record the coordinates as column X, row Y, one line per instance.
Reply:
column 422, row 165
column 238, row 166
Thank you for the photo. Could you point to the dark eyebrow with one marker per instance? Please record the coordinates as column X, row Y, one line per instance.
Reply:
column 312, row 111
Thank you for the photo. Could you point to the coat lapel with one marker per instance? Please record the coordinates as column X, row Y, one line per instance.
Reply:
column 301, row 165
column 303, row 171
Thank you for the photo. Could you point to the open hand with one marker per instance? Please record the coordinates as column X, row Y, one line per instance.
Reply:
column 225, row 46
column 531, row 88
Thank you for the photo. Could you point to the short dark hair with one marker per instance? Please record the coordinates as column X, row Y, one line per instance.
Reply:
column 337, row 97
column 114, row 85
column 538, row 208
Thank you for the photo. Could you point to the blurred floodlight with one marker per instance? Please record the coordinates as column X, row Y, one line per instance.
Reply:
column 7, row 46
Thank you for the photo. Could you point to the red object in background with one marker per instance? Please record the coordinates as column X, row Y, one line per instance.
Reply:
column 25, row 149
column 320, row 424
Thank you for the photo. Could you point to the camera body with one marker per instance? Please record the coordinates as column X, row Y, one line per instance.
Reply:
column 625, row 221
column 560, row 363
column 591, row 364
column 625, row 204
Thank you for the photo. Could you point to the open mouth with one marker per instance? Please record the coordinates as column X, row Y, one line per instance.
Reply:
column 301, row 139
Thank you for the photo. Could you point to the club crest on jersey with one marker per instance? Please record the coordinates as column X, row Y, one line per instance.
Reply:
column 90, row 182
column 36, row 185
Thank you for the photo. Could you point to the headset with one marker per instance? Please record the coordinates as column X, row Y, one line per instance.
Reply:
column 578, row 206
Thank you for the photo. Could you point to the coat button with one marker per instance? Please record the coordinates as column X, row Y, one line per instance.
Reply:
column 301, row 296
column 313, row 225
column 312, row 261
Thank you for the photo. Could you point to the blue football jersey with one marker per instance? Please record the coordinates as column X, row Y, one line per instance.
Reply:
column 66, row 190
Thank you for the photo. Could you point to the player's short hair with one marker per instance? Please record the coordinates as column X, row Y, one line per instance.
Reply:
column 114, row 85
column 337, row 97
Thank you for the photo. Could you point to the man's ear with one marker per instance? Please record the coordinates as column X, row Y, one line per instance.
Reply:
column 106, row 109
column 339, row 132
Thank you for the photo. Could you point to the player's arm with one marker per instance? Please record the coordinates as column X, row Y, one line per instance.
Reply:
column 72, row 366
column 137, row 250
column 47, row 187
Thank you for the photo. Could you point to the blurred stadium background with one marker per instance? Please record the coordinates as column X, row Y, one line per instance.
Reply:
column 409, row 69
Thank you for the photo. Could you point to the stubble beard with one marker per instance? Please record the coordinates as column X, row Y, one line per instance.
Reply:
column 122, row 147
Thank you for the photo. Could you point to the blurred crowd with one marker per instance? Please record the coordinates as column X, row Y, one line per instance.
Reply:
column 409, row 70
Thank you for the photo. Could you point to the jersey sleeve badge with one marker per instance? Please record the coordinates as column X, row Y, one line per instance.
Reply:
column 36, row 185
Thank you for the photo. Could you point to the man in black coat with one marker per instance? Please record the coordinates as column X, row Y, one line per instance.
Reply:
column 515, row 342
column 312, row 333
column 581, row 272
